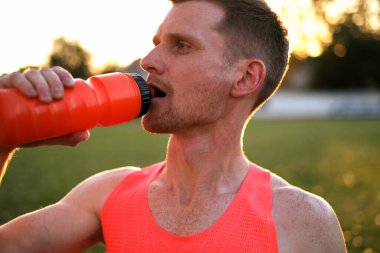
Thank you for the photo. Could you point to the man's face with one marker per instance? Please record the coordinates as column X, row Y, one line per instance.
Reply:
column 188, row 67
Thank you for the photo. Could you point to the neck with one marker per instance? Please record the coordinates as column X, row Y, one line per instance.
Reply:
column 209, row 162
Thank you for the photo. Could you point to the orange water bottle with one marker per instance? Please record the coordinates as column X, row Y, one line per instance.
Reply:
column 102, row 100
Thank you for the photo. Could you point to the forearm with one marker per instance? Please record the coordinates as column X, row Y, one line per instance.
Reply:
column 5, row 157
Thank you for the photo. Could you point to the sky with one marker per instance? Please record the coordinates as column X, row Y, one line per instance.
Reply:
column 112, row 31
column 116, row 31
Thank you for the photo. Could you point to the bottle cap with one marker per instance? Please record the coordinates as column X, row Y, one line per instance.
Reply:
column 144, row 91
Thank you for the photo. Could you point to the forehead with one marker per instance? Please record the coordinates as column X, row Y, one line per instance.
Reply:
column 197, row 17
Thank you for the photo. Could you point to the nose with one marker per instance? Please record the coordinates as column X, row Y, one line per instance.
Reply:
column 152, row 62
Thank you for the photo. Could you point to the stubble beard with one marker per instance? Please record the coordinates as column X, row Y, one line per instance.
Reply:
column 181, row 119
column 204, row 108
column 156, row 122
column 169, row 121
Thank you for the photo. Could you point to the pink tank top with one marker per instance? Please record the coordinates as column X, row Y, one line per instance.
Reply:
column 246, row 226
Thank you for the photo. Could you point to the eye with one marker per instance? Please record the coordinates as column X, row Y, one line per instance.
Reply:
column 182, row 45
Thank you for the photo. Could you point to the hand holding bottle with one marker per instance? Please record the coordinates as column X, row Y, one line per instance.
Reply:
column 47, row 85
column 103, row 100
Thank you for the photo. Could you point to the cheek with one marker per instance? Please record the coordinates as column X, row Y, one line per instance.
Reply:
column 205, row 94
column 203, row 79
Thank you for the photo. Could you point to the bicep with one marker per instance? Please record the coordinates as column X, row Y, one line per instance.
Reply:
column 57, row 228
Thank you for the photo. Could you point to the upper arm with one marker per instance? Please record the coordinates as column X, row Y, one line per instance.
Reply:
column 305, row 222
column 71, row 225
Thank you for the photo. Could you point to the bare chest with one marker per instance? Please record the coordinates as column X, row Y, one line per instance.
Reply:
column 184, row 219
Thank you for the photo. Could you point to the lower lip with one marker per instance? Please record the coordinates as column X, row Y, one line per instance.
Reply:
column 157, row 99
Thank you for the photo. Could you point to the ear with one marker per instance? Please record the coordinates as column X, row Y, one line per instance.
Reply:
column 251, row 78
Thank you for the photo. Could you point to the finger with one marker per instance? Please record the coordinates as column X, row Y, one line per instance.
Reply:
column 40, row 84
column 18, row 81
column 78, row 137
column 67, row 140
column 54, row 82
column 65, row 76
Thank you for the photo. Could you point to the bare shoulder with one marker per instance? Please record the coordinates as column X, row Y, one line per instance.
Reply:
column 304, row 221
column 93, row 192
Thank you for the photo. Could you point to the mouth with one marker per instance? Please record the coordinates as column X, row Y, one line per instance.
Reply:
column 156, row 92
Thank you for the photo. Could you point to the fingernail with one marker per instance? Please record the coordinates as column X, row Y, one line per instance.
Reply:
column 46, row 98
column 68, row 82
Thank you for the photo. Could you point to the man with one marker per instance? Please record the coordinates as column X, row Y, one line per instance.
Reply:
column 214, row 62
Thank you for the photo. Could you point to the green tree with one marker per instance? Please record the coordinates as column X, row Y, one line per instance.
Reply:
column 350, row 62
column 71, row 56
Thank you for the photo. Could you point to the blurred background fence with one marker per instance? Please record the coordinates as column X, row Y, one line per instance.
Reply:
column 322, row 105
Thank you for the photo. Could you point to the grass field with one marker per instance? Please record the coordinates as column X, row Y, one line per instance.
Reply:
column 337, row 159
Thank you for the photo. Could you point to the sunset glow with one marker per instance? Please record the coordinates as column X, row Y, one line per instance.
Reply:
column 310, row 34
column 120, row 31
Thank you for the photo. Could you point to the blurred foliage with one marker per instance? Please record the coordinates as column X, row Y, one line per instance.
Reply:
column 71, row 56
column 347, row 34
column 312, row 23
column 351, row 61
column 359, row 12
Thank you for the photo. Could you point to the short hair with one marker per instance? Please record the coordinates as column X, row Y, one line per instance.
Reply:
column 253, row 30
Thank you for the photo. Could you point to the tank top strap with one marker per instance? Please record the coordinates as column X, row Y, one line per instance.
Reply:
column 119, row 218
column 259, row 186
column 146, row 175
